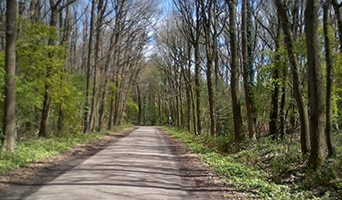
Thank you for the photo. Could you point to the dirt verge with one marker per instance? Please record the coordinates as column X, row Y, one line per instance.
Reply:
column 200, row 181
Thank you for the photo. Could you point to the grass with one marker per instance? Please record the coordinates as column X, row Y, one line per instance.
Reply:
column 35, row 150
column 254, row 167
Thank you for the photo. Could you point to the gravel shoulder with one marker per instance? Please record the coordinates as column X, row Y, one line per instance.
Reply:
column 201, row 181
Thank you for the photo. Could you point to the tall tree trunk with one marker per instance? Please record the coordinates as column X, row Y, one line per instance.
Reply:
column 113, row 44
column 193, row 111
column 8, row 140
column 303, row 115
column 282, row 104
column 337, row 9
column 160, row 111
column 315, row 86
column 177, row 112
column 198, row 72
column 117, row 98
column 90, row 48
column 111, row 111
column 139, row 104
column 65, row 38
column 44, row 124
column 208, row 13
column 246, row 68
column 275, row 92
column 181, row 102
column 329, row 78
column 100, row 12
column 188, row 108
column 104, row 95
column 235, row 73
column 144, row 109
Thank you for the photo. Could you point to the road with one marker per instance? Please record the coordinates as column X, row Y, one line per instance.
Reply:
column 138, row 166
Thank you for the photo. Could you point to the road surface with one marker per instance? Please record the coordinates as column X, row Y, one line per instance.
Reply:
column 138, row 166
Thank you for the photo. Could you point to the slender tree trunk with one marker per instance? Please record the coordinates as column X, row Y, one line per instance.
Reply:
column 111, row 111
column 101, row 8
column 235, row 74
column 275, row 92
column 66, row 35
column 117, row 99
column 303, row 115
column 181, row 102
column 44, row 124
column 282, row 104
column 90, row 48
column 316, row 98
column 246, row 69
column 2, row 21
column 160, row 111
column 113, row 43
column 208, row 13
column 198, row 73
column 8, row 140
column 193, row 111
column 144, row 111
column 177, row 112
column 139, row 104
column 329, row 78
column 337, row 9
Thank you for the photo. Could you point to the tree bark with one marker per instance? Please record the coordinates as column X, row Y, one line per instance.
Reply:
column 101, row 8
column 209, row 15
column 337, row 10
column 8, row 140
column 246, row 69
column 303, row 115
column 44, row 124
column 198, row 72
column 139, row 104
column 282, row 104
column 90, row 48
column 104, row 87
column 275, row 92
column 315, row 86
column 329, row 78
column 239, row 136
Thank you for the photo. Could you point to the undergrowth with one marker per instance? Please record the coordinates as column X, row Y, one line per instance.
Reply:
column 34, row 150
column 264, row 167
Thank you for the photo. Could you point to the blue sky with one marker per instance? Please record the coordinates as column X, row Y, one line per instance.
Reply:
column 165, row 7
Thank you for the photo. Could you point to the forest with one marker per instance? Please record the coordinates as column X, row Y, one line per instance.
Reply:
column 259, row 82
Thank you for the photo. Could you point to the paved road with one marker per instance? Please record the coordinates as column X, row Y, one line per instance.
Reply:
column 139, row 166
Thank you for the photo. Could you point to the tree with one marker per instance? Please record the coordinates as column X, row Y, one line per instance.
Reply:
column 90, row 48
column 329, row 78
column 209, row 24
column 101, row 8
column 235, row 72
column 44, row 124
column 315, row 86
column 8, row 140
column 303, row 115
column 275, row 92
column 247, row 66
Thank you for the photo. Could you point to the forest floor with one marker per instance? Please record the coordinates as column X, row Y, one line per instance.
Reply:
column 143, row 164
column 265, row 169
